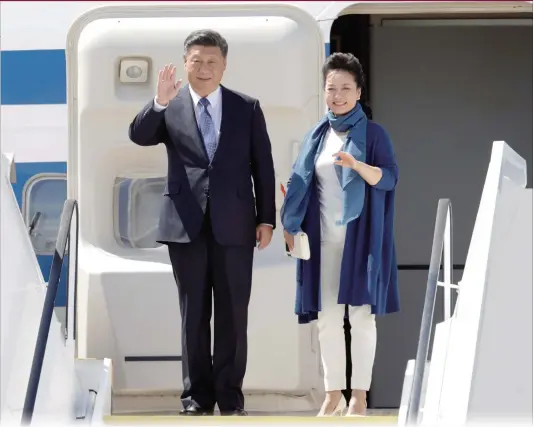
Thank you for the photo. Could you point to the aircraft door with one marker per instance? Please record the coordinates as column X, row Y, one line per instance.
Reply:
column 275, row 55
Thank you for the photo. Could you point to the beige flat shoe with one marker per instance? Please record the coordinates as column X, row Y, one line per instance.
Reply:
column 355, row 414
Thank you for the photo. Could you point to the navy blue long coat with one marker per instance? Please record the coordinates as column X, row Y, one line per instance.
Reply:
column 369, row 265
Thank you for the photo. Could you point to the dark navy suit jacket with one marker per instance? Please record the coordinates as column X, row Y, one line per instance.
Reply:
column 240, row 181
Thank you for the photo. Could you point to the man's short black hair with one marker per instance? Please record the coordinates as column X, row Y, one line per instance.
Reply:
column 206, row 38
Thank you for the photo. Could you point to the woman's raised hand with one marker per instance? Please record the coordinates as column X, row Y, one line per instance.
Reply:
column 345, row 160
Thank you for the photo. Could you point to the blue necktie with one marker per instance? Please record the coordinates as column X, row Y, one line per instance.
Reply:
column 207, row 128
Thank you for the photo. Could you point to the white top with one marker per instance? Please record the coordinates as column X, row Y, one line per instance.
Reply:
column 329, row 189
column 215, row 107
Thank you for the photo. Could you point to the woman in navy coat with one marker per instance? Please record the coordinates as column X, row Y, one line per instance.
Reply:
column 341, row 194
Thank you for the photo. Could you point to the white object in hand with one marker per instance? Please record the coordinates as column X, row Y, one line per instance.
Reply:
column 301, row 246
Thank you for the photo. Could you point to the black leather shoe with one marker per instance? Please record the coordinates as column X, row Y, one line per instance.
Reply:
column 193, row 411
column 235, row 413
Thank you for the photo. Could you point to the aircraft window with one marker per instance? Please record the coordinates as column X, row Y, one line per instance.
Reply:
column 136, row 211
column 42, row 203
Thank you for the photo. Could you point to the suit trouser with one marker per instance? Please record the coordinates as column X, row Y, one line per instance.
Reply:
column 332, row 334
column 203, row 268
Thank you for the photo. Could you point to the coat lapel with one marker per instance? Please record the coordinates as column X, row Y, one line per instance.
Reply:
column 226, row 111
column 227, row 118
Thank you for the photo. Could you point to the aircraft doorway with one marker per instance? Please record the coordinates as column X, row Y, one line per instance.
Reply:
column 444, row 91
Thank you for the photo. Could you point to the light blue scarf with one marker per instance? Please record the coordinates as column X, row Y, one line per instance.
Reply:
column 298, row 194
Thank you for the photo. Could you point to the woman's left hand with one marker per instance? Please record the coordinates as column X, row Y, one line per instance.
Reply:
column 345, row 160
column 370, row 174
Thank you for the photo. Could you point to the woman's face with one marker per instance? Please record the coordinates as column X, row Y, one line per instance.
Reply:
column 341, row 92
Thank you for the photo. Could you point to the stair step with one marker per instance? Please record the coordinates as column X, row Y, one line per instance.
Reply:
column 129, row 420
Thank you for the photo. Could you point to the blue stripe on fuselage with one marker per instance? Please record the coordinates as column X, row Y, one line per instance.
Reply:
column 33, row 77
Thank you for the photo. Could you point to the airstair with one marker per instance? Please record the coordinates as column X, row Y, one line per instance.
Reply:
column 477, row 350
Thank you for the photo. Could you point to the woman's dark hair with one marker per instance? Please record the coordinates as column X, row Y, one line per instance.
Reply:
column 349, row 63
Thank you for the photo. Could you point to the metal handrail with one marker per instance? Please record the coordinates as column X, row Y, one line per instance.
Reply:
column 69, row 207
column 441, row 243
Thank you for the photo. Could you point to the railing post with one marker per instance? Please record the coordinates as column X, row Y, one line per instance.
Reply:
column 414, row 402
column 48, row 312
column 72, row 288
column 447, row 266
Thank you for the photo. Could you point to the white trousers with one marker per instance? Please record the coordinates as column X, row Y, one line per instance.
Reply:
column 332, row 334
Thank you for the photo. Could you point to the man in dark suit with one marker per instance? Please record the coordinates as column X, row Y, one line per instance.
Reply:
column 218, row 151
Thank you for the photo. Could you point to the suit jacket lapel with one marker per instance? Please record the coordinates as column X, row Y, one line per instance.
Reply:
column 189, row 121
column 227, row 118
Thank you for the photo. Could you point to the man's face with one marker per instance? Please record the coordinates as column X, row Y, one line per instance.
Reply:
column 204, row 66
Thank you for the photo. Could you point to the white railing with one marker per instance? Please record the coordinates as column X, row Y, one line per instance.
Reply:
column 448, row 268
column 22, row 298
column 505, row 179
column 441, row 246
column 453, row 368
